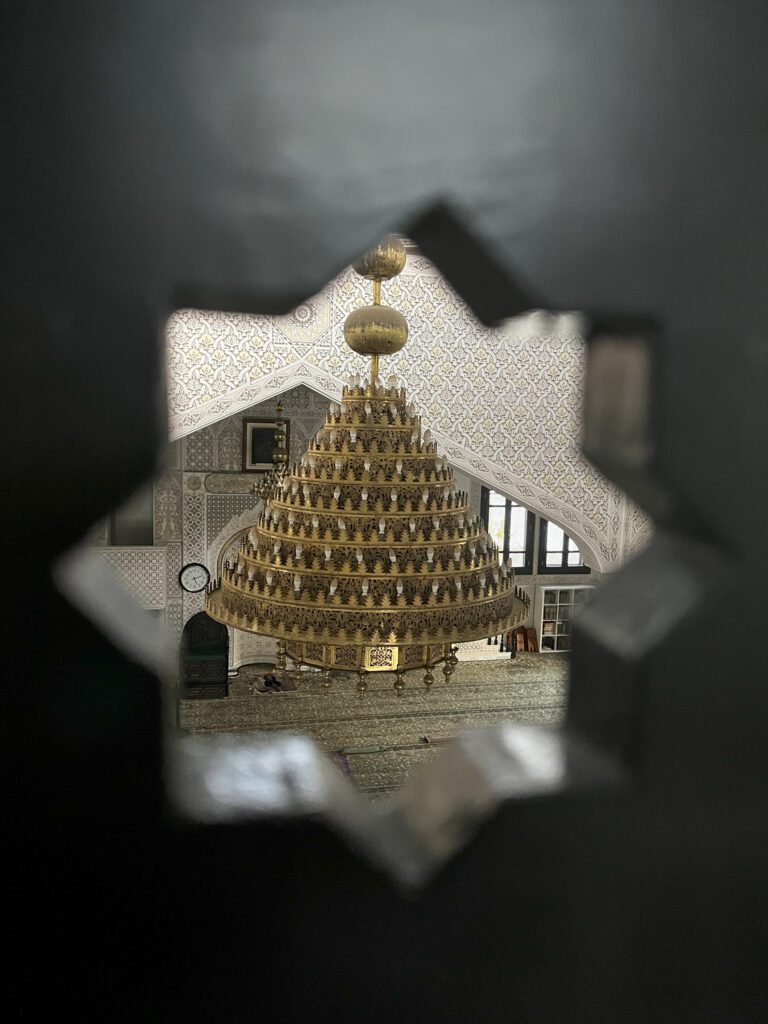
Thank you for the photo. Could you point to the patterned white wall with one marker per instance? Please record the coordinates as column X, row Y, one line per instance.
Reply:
column 504, row 404
column 141, row 570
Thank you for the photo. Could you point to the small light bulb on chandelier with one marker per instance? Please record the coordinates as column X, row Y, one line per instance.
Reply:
column 364, row 588
column 410, row 409
column 482, row 582
column 315, row 522
column 341, row 525
column 269, row 576
column 299, row 550
column 393, row 495
column 458, row 585
column 392, row 555
column 435, row 522
column 305, row 490
column 435, row 587
column 337, row 493
column 445, row 462
column 297, row 583
column 332, row 437
column 295, row 487
column 411, row 524
column 382, row 526
column 275, row 515
column 364, row 494
column 328, row 553
column 353, row 436
column 438, row 465
column 359, row 556
column 457, row 554
column 391, row 381
column 461, row 523
column 399, row 587
column 291, row 518
column 430, row 555
column 343, row 407
column 367, row 465
column 332, row 587
column 367, row 408
column 427, row 436
column 334, row 409
column 278, row 545
column 414, row 436
column 393, row 409
column 337, row 464
column 425, row 496
column 399, row 466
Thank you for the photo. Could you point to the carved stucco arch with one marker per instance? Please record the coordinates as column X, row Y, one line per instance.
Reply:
column 504, row 403
column 214, row 555
column 536, row 498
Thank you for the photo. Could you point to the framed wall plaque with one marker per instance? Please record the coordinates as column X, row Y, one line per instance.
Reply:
column 259, row 444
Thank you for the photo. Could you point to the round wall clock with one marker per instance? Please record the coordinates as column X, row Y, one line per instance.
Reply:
column 194, row 577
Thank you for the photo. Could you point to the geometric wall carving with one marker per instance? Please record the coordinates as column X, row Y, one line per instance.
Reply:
column 142, row 572
column 504, row 403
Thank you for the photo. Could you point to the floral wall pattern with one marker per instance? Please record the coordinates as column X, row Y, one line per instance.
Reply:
column 504, row 404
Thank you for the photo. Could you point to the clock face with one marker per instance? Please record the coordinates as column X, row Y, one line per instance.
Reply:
column 194, row 577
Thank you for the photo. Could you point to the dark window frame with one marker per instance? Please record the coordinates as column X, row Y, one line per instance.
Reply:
column 530, row 529
column 563, row 568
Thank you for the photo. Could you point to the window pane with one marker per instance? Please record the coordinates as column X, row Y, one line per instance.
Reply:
column 572, row 546
column 496, row 526
column 554, row 558
column 494, row 498
column 518, row 559
column 517, row 518
column 554, row 539
column 574, row 558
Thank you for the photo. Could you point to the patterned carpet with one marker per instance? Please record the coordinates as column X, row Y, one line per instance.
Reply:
column 379, row 739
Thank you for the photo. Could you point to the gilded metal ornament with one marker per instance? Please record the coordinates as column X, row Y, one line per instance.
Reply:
column 365, row 556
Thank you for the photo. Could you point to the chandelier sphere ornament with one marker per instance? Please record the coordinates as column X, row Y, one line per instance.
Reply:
column 365, row 556
column 375, row 330
column 385, row 261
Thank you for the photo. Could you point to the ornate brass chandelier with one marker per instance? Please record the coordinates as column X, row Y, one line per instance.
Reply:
column 269, row 480
column 365, row 557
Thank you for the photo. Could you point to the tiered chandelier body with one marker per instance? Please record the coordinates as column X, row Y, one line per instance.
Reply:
column 365, row 556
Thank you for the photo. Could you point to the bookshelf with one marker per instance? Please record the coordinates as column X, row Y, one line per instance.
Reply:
column 557, row 610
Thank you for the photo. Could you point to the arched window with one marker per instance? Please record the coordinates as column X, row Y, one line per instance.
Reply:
column 511, row 527
column 557, row 551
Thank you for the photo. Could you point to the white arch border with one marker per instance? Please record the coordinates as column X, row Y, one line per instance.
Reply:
column 593, row 543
